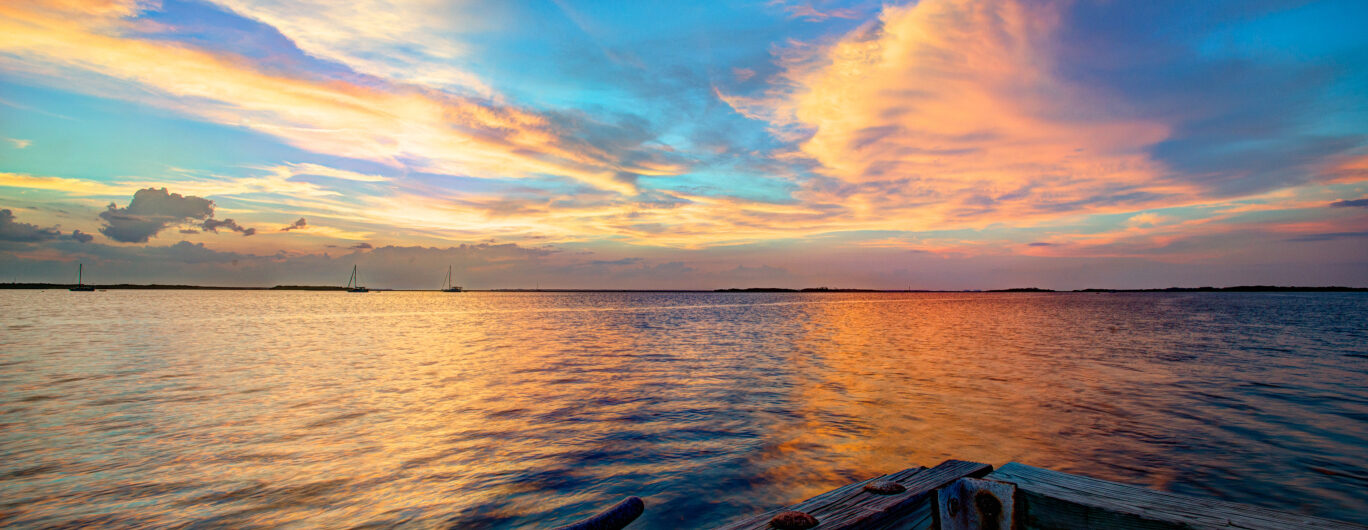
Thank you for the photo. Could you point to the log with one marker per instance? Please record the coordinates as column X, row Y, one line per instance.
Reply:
column 614, row 518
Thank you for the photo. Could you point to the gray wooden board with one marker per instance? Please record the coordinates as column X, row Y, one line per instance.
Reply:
column 1051, row 499
column 852, row 507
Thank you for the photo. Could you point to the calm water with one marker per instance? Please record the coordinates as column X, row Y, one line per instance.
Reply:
column 476, row 410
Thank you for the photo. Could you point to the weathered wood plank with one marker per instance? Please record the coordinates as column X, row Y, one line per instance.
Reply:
column 1054, row 500
column 852, row 507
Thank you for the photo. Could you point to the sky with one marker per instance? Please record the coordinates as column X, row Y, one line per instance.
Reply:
column 940, row 144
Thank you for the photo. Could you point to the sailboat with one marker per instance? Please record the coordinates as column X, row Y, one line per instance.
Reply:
column 83, row 288
column 354, row 283
column 448, row 287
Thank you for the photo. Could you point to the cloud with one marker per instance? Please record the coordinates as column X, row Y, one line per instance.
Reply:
column 12, row 230
column 79, row 187
column 1329, row 236
column 809, row 13
column 957, row 106
column 213, row 225
column 1348, row 203
column 18, row 143
column 412, row 41
column 150, row 212
column 398, row 124
column 81, row 237
column 301, row 223
column 1146, row 219
column 361, row 246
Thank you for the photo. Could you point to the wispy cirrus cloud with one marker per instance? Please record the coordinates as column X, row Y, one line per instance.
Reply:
column 1349, row 203
column 413, row 41
column 397, row 124
column 72, row 186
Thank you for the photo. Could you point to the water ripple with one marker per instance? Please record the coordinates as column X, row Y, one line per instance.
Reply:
column 500, row 410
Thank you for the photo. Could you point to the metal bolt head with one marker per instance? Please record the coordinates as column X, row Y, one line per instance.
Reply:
column 792, row 520
column 884, row 487
column 988, row 505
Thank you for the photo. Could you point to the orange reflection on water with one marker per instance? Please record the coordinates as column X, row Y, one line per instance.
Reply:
column 500, row 410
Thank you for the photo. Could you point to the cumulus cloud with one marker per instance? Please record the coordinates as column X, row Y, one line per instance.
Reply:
column 12, row 230
column 213, row 225
column 81, row 237
column 150, row 212
column 301, row 223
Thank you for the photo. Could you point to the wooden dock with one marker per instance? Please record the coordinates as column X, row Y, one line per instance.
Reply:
column 966, row 495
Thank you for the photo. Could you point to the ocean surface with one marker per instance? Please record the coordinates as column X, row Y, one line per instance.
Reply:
column 501, row 410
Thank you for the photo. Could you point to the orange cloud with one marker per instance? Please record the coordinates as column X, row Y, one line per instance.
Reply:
column 79, row 187
column 948, row 114
column 1351, row 170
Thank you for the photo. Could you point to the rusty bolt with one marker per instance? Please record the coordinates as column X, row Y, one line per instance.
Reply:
column 792, row 520
column 988, row 505
column 884, row 487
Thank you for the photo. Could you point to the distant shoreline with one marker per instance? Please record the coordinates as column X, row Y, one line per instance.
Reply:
column 1232, row 289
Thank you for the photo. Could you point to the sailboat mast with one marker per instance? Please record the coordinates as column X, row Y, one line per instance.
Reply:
column 79, row 269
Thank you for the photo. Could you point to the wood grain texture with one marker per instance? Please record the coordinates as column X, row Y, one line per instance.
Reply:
column 852, row 507
column 1054, row 500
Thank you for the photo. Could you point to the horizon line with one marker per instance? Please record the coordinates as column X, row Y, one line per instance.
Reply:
column 189, row 287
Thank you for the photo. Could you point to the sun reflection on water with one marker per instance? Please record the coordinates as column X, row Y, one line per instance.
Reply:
column 508, row 409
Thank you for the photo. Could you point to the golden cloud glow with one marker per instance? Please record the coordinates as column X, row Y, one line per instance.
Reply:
column 78, row 187
column 946, row 114
column 394, row 124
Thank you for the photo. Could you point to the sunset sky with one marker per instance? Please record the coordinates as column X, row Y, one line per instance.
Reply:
column 941, row 144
